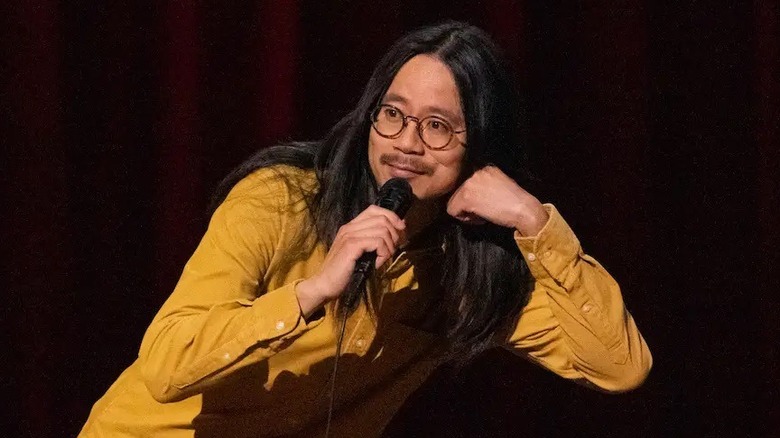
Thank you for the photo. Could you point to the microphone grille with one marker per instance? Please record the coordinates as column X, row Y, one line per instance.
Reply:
column 395, row 195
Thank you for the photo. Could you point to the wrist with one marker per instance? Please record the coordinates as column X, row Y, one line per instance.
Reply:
column 531, row 218
column 309, row 297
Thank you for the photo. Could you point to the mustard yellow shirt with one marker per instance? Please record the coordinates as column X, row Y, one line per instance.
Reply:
column 230, row 355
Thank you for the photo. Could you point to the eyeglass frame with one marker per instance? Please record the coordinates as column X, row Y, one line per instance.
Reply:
column 405, row 121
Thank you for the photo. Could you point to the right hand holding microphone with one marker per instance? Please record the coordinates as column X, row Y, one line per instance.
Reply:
column 374, row 229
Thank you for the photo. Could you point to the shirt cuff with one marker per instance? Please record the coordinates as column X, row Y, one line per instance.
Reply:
column 552, row 250
column 279, row 315
column 277, row 321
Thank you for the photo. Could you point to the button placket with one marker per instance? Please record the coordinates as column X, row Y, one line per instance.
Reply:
column 355, row 337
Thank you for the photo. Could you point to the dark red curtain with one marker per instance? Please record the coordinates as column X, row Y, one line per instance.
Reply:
column 654, row 128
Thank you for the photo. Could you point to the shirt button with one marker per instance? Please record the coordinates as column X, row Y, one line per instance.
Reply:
column 226, row 356
column 359, row 343
column 280, row 325
column 587, row 308
column 547, row 254
column 531, row 257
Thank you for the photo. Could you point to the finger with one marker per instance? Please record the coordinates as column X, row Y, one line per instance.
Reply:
column 376, row 223
column 374, row 226
column 471, row 219
column 456, row 205
column 374, row 210
column 373, row 233
column 357, row 246
column 381, row 261
column 461, row 209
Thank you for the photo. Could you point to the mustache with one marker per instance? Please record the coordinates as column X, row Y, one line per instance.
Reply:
column 408, row 163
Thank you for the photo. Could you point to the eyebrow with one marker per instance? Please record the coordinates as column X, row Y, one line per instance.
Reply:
column 452, row 117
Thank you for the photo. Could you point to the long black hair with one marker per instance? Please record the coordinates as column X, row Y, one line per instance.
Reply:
column 485, row 280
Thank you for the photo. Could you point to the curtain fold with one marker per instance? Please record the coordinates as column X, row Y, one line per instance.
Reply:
column 653, row 127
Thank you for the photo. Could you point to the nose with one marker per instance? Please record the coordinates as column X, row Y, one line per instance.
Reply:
column 410, row 142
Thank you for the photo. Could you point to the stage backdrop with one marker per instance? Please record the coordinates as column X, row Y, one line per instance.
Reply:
column 654, row 129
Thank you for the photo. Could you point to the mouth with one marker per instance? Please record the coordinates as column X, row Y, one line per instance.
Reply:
column 404, row 168
column 403, row 171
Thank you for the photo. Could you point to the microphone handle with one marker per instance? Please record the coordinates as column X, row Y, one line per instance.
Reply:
column 365, row 264
column 396, row 196
column 363, row 267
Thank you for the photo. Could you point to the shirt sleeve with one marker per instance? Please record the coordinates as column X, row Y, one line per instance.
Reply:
column 575, row 323
column 219, row 317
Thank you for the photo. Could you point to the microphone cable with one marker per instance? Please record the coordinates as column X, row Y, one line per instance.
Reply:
column 332, row 391
column 395, row 195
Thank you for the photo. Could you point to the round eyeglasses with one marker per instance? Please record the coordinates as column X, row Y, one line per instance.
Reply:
column 435, row 132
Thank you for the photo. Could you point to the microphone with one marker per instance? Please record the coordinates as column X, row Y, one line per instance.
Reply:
column 396, row 196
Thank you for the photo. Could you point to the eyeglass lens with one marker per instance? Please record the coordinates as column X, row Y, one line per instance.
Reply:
column 435, row 132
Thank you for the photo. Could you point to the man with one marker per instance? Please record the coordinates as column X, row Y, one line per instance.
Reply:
column 245, row 344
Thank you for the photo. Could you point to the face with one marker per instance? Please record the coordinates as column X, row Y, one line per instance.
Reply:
column 423, row 87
